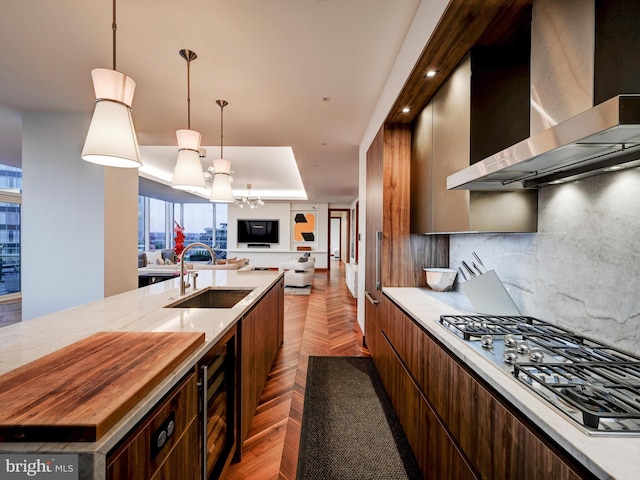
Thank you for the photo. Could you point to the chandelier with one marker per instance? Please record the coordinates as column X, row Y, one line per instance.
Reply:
column 248, row 200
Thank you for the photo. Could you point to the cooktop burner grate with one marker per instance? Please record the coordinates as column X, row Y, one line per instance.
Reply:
column 576, row 349
column 474, row 326
column 597, row 390
column 594, row 384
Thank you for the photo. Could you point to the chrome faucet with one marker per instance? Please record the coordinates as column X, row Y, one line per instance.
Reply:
column 182, row 269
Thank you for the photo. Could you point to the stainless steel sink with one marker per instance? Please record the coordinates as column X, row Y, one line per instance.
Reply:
column 212, row 298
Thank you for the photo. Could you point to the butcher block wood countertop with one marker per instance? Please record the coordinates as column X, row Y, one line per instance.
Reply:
column 140, row 310
column 78, row 392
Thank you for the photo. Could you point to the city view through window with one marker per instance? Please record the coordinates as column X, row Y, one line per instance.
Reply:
column 10, row 216
column 202, row 222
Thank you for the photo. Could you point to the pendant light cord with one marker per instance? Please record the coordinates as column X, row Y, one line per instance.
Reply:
column 222, row 103
column 114, row 27
column 188, row 55
column 189, row 94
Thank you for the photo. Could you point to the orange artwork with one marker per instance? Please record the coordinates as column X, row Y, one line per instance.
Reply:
column 304, row 228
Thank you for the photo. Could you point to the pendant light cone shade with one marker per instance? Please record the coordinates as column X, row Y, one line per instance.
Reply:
column 188, row 174
column 221, row 191
column 111, row 139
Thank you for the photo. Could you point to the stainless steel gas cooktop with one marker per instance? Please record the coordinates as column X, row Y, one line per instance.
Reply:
column 596, row 385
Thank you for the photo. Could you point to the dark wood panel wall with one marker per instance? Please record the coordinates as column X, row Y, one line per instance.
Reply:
column 396, row 253
column 428, row 251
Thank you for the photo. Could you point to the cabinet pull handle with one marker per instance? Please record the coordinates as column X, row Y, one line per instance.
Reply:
column 378, row 261
column 370, row 298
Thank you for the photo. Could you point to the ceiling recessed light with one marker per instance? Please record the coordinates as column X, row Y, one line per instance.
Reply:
column 430, row 74
column 406, row 110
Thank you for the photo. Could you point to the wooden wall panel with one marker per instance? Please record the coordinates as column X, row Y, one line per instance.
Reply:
column 397, row 261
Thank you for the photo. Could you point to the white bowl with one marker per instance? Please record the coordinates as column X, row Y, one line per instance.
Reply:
column 440, row 279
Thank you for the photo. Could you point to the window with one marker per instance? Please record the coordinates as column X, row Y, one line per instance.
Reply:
column 9, row 248
column 141, row 224
column 157, row 224
column 10, row 222
column 10, row 179
column 202, row 222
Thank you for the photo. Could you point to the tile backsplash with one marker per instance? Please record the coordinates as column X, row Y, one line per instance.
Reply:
column 582, row 268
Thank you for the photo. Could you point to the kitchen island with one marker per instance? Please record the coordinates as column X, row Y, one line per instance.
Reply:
column 606, row 457
column 141, row 310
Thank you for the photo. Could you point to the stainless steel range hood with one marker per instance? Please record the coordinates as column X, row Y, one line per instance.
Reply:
column 605, row 137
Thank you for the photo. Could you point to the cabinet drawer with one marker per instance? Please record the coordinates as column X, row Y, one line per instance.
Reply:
column 183, row 462
column 148, row 446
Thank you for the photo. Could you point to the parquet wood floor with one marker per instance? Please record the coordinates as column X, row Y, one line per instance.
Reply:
column 323, row 323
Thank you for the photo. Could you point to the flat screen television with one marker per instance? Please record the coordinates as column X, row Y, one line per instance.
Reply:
column 258, row 231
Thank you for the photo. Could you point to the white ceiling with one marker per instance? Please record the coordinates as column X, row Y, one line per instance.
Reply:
column 273, row 61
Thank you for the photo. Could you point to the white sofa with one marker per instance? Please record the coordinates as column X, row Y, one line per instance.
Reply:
column 162, row 263
column 298, row 273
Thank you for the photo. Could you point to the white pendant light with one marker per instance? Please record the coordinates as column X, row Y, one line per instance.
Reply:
column 111, row 139
column 187, row 174
column 221, row 191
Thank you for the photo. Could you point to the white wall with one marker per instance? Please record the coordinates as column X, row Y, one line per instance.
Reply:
column 270, row 211
column 283, row 211
column 336, row 232
column 62, row 236
column 79, row 220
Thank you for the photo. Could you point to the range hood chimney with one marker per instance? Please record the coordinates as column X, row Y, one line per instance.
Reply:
column 574, row 49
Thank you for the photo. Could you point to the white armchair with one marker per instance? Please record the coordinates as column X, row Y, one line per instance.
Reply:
column 298, row 273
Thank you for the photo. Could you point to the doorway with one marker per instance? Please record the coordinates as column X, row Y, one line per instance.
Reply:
column 338, row 232
column 335, row 246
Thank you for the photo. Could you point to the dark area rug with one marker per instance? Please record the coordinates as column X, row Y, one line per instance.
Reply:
column 349, row 428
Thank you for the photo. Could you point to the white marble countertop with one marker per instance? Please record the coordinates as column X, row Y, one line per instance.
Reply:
column 607, row 457
column 139, row 310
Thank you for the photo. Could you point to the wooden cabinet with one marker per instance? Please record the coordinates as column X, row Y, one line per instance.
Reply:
column 260, row 337
column 255, row 341
column 182, row 464
column 387, row 210
column 173, row 425
column 457, row 426
column 388, row 242
column 438, row 455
